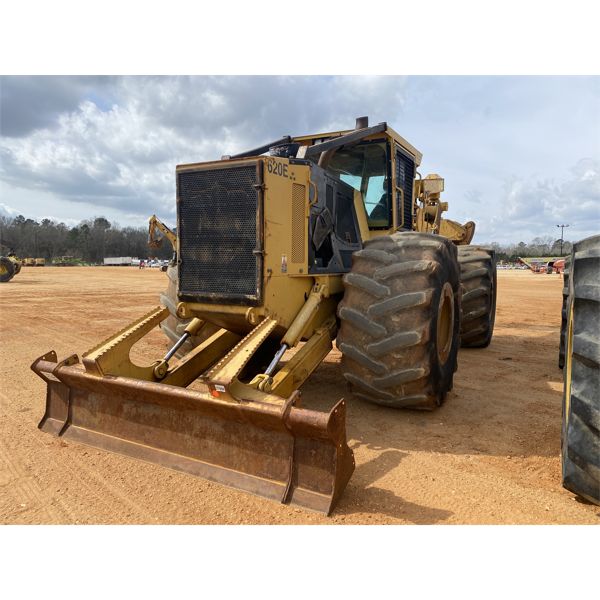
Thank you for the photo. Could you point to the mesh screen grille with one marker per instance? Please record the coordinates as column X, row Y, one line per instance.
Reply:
column 405, row 175
column 298, row 223
column 217, row 226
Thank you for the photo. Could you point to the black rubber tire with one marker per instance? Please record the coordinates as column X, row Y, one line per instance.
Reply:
column 173, row 326
column 478, row 278
column 580, row 440
column 563, row 314
column 8, row 269
column 388, row 333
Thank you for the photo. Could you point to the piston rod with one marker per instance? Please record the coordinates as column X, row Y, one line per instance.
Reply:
column 176, row 346
column 273, row 365
column 161, row 366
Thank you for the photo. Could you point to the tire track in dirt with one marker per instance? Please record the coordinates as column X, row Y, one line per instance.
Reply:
column 81, row 339
column 489, row 455
column 79, row 469
column 55, row 507
column 23, row 487
column 73, row 469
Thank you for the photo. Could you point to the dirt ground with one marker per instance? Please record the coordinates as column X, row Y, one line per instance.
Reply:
column 489, row 455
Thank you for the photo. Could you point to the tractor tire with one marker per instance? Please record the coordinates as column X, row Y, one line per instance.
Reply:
column 173, row 326
column 563, row 315
column 400, row 320
column 580, row 439
column 478, row 278
column 7, row 269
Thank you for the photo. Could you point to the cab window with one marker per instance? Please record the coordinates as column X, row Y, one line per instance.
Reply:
column 364, row 167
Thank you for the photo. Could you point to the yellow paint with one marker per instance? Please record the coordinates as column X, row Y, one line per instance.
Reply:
column 154, row 225
column 291, row 302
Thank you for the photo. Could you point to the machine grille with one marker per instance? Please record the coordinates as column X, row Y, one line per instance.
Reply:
column 219, row 219
column 298, row 223
column 405, row 176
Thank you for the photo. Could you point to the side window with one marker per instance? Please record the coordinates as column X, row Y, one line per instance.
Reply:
column 377, row 201
column 365, row 168
column 352, row 180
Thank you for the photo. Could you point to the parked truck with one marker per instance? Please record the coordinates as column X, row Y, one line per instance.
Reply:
column 118, row 261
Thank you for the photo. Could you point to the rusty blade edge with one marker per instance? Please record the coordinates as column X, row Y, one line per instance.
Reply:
column 327, row 430
column 237, row 480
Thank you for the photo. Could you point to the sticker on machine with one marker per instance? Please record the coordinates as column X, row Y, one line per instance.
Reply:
column 284, row 263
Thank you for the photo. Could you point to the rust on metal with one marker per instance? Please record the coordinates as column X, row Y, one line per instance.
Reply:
column 271, row 448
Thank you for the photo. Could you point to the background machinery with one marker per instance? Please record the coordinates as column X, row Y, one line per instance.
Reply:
column 157, row 232
column 579, row 356
column 330, row 235
column 65, row 261
column 10, row 266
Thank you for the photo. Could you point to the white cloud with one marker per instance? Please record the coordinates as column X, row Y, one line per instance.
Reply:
column 535, row 207
column 7, row 211
column 123, row 157
column 109, row 146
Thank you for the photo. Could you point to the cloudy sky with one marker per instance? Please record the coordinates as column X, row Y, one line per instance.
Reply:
column 519, row 154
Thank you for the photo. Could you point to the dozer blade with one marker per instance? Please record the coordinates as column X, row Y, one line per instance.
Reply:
column 262, row 443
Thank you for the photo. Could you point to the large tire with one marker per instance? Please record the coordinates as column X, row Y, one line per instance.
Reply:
column 173, row 326
column 400, row 288
column 563, row 314
column 478, row 277
column 7, row 269
column 580, row 440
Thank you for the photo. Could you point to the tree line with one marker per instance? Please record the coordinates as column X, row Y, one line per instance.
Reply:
column 539, row 246
column 90, row 241
column 95, row 239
